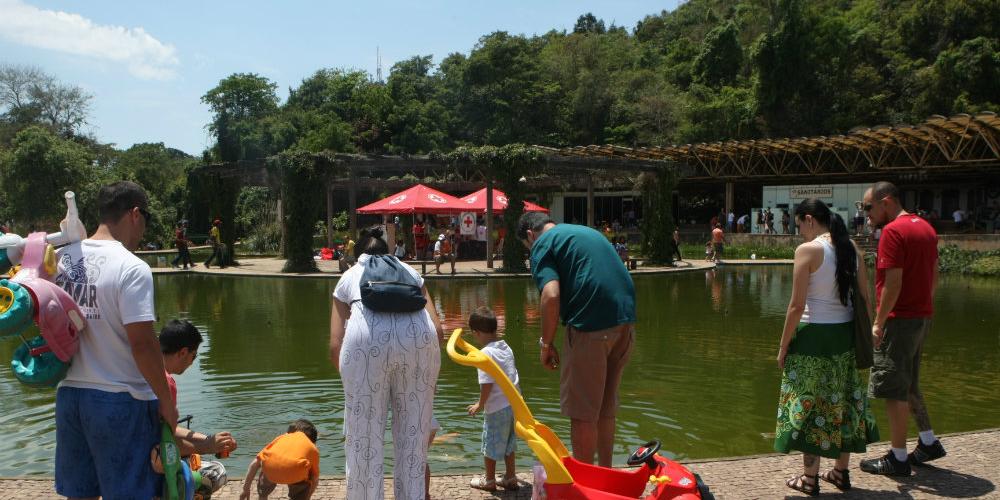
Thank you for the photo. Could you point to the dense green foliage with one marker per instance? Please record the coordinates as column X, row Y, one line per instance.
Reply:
column 953, row 260
column 43, row 154
column 301, row 190
column 709, row 70
column 658, row 221
column 694, row 251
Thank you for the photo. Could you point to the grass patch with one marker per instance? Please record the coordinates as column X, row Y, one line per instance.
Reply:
column 694, row 252
column 953, row 260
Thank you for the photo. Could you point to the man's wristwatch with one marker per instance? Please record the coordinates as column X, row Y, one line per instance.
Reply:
column 542, row 344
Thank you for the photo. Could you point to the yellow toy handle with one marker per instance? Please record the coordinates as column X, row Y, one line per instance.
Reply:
column 546, row 445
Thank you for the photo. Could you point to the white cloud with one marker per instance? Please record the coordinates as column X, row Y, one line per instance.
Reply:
column 145, row 56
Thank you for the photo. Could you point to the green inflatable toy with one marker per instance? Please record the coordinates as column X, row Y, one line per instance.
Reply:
column 179, row 481
column 44, row 370
column 16, row 308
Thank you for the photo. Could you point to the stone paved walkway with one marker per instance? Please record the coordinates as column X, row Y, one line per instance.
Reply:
column 271, row 266
column 969, row 471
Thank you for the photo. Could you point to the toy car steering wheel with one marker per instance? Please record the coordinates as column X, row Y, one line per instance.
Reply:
column 645, row 455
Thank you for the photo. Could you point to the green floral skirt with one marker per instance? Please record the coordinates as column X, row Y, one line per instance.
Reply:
column 823, row 408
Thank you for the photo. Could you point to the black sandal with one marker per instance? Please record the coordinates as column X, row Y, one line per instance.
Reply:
column 841, row 478
column 799, row 483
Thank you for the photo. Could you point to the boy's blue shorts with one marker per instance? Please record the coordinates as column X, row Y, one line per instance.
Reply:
column 499, row 439
column 103, row 441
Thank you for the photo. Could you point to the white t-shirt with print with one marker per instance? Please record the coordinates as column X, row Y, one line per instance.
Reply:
column 500, row 352
column 113, row 288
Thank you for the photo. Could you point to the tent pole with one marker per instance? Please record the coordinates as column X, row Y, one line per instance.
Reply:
column 352, row 197
column 489, row 222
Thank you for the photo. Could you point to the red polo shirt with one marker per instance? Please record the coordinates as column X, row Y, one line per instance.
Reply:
column 910, row 243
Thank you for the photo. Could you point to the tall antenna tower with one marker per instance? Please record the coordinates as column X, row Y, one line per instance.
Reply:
column 378, row 62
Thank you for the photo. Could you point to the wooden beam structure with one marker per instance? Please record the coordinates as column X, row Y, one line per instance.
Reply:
column 961, row 144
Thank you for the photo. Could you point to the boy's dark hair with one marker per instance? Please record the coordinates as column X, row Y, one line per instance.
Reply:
column 178, row 334
column 483, row 320
column 306, row 427
column 115, row 200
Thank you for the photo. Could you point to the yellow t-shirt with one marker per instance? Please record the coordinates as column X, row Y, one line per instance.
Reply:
column 215, row 234
column 291, row 458
column 349, row 248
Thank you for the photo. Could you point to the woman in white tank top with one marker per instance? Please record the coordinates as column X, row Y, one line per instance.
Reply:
column 823, row 407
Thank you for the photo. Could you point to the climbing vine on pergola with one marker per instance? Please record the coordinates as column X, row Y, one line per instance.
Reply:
column 657, row 224
column 303, row 177
column 507, row 165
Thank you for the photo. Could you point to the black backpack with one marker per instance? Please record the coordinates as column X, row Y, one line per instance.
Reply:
column 386, row 286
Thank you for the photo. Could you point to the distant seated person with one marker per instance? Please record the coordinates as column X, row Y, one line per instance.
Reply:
column 444, row 250
column 179, row 341
column 347, row 257
column 292, row 459
column 326, row 253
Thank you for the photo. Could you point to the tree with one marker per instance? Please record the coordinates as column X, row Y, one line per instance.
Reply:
column 721, row 56
column 965, row 78
column 417, row 122
column 505, row 99
column 40, row 168
column 587, row 23
column 29, row 96
column 343, row 101
column 239, row 102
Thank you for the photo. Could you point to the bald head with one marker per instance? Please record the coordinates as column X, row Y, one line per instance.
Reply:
column 884, row 189
column 882, row 203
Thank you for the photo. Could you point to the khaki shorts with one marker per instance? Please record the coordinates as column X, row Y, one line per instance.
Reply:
column 896, row 371
column 297, row 491
column 591, row 371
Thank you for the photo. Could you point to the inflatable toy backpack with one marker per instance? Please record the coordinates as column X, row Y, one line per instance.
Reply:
column 31, row 297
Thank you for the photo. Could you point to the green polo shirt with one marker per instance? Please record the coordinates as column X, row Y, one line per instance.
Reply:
column 595, row 289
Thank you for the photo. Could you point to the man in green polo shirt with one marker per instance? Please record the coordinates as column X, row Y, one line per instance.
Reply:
column 584, row 283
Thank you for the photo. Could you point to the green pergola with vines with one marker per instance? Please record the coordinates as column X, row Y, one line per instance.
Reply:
column 302, row 178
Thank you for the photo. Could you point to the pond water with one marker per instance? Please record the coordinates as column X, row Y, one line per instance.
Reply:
column 702, row 377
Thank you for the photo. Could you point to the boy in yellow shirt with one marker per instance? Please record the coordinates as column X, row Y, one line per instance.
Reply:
column 291, row 459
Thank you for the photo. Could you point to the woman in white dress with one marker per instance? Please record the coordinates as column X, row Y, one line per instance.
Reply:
column 386, row 361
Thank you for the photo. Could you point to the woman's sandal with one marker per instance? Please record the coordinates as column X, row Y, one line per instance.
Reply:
column 481, row 483
column 841, row 478
column 802, row 483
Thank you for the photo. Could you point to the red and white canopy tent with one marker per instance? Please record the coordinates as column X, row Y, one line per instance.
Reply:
column 476, row 202
column 418, row 199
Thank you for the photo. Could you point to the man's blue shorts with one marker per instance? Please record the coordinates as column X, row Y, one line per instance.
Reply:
column 103, row 441
column 499, row 439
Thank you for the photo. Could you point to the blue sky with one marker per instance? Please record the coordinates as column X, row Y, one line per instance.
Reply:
column 147, row 64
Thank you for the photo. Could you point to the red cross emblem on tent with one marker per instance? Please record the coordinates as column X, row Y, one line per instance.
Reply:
column 468, row 223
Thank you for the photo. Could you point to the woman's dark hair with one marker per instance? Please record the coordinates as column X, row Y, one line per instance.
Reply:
column 306, row 427
column 371, row 243
column 178, row 334
column 847, row 256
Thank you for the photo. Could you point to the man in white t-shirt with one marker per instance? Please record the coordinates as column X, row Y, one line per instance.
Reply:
column 109, row 406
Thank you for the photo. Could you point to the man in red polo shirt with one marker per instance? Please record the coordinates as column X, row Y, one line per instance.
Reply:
column 905, row 279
